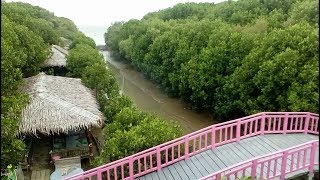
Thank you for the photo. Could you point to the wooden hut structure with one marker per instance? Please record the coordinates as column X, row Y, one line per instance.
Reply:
column 62, row 109
column 56, row 63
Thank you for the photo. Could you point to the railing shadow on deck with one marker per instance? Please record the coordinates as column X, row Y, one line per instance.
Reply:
column 301, row 157
column 210, row 137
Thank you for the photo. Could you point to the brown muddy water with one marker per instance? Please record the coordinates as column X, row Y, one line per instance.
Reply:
column 149, row 98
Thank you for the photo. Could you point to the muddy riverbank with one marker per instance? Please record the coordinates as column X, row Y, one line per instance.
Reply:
column 149, row 98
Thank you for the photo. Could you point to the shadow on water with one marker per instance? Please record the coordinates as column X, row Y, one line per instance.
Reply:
column 149, row 98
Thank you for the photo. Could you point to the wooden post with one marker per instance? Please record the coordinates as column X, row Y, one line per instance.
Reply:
column 90, row 144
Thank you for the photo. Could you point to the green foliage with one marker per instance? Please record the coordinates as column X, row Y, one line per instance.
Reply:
column 127, row 130
column 149, row 132
column 26, row 34
column 12, row 173
column 50, row 71
column 156, row 131
column 231, row 59
column 43, row 28
column 13, row 59
column 36, row 19
column 110, row 107
column 124, row 120
column 265, row 80
column 304, row 11
column 98, row 77
column 80, row 57
column 12, row 149
column 80, row 38
column 112, row 37
column 241, row 178
column 40, row 21
column 182, row 11
column 34, row 48
column 65, row 28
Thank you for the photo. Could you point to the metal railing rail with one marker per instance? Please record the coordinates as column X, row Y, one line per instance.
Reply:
column 293, row 159
column 210, row 137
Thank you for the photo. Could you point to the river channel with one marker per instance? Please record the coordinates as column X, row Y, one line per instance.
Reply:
column 149, row 98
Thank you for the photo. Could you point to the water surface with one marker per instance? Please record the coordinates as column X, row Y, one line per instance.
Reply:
column 149, row 98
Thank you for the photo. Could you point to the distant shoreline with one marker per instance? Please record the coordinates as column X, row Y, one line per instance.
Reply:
column 94, row 32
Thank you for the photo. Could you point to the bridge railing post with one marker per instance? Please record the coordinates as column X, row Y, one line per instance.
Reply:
column 158, row 159
column 238, row 130
column 312, row 158
column 283, row 165
column 306, row 124
column 99, row 175
column 218, row 176
column 131, row 168
column 213, row 137
column 263, row 122
column 285, row 123
column 254, row 169
column 186, row 147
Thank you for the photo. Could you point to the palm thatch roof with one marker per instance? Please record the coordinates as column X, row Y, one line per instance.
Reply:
column 58, row 57
column 61, row 49
column 58, row 105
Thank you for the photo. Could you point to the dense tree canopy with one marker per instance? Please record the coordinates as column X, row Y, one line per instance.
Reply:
column 80, row 38
column 133, row 131
column 42, row 22
column 232, row 59
column 81, row 56
column 123, row 119
column 26, row 34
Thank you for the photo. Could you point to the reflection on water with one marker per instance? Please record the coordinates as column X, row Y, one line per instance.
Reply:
column 149, row 98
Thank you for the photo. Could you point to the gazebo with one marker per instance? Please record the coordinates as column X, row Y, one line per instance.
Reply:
column 63, row 111
column 56, row 62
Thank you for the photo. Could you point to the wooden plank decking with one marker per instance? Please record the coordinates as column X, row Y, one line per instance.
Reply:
column 211, row 161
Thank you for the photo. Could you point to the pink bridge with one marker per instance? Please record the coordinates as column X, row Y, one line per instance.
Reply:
column 267, row 145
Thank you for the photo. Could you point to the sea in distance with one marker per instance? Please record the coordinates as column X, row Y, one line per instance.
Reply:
column 95, row 32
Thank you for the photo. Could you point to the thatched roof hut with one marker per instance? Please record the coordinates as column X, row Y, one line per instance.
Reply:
column 58, row 58
column 58, row 105
column 61, row 49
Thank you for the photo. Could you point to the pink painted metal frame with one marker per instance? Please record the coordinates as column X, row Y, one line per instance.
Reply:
column 292, row 159
column 210, row 137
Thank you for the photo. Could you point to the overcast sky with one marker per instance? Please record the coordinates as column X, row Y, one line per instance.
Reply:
column 93, row 17
column 104, row 12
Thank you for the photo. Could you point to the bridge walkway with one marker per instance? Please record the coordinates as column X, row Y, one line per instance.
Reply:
column 210, row 161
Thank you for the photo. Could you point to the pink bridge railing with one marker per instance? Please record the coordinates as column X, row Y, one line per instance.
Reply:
column 210, row 137
column 266, row 167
